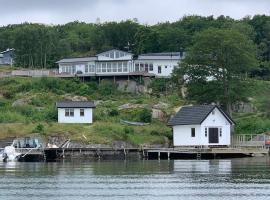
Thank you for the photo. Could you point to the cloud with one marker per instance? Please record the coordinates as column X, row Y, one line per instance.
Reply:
column 147, row 11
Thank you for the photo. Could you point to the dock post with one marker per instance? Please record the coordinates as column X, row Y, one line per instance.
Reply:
column 63, row 152
column 168, row 155
column 159, row 155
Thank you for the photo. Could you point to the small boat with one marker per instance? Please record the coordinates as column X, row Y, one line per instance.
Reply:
column 9, row 154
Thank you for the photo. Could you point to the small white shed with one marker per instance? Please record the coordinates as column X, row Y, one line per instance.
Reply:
column 75, row 111
column 203, row 125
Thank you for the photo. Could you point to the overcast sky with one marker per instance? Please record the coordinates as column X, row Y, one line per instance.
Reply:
column 146, row 11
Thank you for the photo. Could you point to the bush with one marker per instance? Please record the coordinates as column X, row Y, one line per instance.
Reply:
column 128, row 130
column 113, row 113
column 146, row 116
column 107, row 88
column 39, row 129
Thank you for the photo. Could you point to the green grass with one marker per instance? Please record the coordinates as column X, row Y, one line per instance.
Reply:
column 40, row 94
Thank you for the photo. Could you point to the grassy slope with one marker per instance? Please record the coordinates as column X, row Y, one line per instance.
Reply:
column 40, row 95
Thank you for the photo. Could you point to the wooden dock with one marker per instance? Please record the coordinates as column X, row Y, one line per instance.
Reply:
column 51, row 154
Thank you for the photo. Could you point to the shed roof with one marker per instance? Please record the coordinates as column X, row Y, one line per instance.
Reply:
column 71, row 60
column 195, row 115
column 75, row 104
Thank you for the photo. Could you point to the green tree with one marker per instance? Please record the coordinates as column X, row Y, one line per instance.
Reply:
column 216, row 66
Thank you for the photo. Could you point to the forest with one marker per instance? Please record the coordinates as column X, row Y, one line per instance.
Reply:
column 40, row 45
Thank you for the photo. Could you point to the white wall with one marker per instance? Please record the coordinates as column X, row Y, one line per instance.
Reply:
column 167, row 66
column 182, row 133
column 87, row 118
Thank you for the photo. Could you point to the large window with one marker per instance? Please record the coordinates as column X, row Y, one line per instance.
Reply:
column 120, row 67
column 98, row 67
column 109, row 67
column 125, row 68
column 137, row 67
column 103, row 67
column 114, row 67
column 192, row 132
column 69, row 112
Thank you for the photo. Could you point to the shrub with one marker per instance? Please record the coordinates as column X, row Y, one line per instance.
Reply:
column 128, row 130
column 39, row 129
column 114, row 112
column 145, row 116
column 107, row 88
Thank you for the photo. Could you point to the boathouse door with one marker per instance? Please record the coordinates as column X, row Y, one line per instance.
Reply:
column 213, row 135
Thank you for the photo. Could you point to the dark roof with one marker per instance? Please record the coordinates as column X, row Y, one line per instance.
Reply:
column 82, row 59
column 195, row 115
column 161, row 56
column 75, row 104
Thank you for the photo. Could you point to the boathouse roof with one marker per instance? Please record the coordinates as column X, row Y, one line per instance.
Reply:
column 191, row 115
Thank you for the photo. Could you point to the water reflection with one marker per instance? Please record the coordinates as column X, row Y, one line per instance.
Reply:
column 179, row 179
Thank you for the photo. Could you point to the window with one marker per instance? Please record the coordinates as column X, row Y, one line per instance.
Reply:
column 103, row 67
column 92, row 68
column 125, row 69
column 114, row 67
column 137, row 68
column 119, row 67
column 116, row 54
column 141, row 67
column 109, row 67
column 151, row 67
column 159, row 69
column 220, row 132
column 205, row 132
column 73, row 69
column 111, row 55
column 81, row 112
column 192, row 132
column 146, row 67
column 69, row 112
column 86, row 69
column 98, row 67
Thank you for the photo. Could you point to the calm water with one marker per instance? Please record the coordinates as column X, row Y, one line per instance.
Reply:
column 246, row 179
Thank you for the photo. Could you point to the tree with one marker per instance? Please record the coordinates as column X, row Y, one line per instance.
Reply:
column 216, row 66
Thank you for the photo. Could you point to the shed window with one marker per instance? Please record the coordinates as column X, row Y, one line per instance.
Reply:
column 81, row 112
column 205, row 132
column 69, row 112
column 150, row 67
column 192, row 132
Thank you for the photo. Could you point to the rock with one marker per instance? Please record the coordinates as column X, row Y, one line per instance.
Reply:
column 243, row 107
column 69, row 97
column 131, row 106
column 161, row 105
column 20, row 102
column 158, row 114
column 121, row 145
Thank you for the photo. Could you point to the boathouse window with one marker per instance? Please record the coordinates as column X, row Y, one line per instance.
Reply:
column 220, row 132
column 81, row 112
column 205, row 132
column 192, row 132
column 69, row 112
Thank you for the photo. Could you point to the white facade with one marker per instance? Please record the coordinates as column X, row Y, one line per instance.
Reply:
column 75, row 115
column 215, row 121
column 116, row 62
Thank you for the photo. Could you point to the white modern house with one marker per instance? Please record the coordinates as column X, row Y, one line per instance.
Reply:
column 203, row 125
column 75, row 111
column 121, row 63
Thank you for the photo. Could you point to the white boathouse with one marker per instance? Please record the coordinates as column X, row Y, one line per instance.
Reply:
column 203, row 125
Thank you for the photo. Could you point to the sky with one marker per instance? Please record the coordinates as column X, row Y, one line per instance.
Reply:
column 146, row 11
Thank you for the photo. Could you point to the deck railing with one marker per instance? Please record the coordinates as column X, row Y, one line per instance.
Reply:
column 249, row 140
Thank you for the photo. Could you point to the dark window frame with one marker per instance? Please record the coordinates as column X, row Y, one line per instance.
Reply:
column 81, row 112
column 193, row 132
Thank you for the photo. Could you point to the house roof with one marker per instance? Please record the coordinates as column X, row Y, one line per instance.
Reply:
column 114, row 50
column 195, row 115
column 75, row 104
column 2, row 52
column 71, row 60
column 161, row 56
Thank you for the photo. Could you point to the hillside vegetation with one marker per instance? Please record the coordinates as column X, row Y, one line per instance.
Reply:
column 27, row 107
